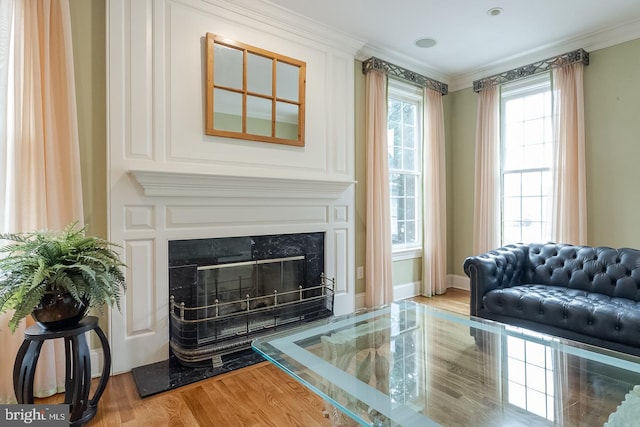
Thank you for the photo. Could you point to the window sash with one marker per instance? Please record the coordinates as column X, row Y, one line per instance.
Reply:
column 409, row 216
column 526, row 214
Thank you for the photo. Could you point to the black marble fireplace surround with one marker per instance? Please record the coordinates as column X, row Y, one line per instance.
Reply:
column 210, row 273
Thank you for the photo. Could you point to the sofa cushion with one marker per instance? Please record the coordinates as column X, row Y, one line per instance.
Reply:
column 597, row 315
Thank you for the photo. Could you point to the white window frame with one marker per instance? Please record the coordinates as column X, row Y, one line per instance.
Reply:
column 412, row 94
column 537, row 84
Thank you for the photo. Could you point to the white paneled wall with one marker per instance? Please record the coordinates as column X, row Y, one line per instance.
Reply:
column 168, row 180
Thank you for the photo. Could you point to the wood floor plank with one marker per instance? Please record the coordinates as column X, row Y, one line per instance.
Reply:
column 260, row 395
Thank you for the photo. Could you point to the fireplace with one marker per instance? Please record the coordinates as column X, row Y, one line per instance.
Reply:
column 225, row 292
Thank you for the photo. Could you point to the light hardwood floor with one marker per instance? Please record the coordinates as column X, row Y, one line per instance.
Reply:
column 260, row 395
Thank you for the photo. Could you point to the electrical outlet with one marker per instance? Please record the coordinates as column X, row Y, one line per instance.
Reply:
column 360, row 272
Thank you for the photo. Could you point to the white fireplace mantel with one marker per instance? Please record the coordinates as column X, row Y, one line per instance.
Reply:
column 180, row 184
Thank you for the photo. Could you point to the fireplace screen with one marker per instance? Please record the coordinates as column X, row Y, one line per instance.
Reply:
column 228, row 304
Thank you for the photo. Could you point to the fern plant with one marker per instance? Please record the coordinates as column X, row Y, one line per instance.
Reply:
column 33, row 263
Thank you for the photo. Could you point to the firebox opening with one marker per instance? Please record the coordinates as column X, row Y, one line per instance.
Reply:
column 226, row 292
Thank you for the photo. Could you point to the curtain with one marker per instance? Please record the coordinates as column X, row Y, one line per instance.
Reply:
column 379, row 286
column 434, row 258
column 569, row 223
column 486, row 202
column 41, row 162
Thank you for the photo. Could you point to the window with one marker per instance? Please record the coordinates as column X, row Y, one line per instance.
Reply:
column 405, row 170
column 527, row 155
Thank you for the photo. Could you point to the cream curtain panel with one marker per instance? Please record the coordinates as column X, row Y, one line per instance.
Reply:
column 486, row 201
column 434, row 258
column 41, row 162
column 379, row 286
column 569, row 223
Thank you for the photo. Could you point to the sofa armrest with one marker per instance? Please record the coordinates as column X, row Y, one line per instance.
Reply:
column 499, row 268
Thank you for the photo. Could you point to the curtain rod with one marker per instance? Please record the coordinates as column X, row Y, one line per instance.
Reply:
column 378, row 64
column 573, row 57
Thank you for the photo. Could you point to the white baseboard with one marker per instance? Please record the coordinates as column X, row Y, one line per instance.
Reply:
column 97, row 362
column 360, row 298
column 409, row 290
column 406, row 290
column 458, row 282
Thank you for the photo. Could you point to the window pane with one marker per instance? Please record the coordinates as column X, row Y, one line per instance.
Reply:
column 512, row 209
column 411, row 232
column 534, row 131
column 512, row 185
column 531, row 209
column 534, row 106
column 409, row 114
column 410, row 212
column 514, row 109
column 511, row 233
column 408, row 138
column 531, row 184
column 394, row 111
column 410, row 189
column 513, row 157
column 397, row 185
column 409, row 159
column 533, row 156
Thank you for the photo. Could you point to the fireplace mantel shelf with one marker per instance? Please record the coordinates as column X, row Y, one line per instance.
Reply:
column 179, row 184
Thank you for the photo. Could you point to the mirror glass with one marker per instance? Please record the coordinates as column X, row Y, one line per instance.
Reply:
column 258, row 116
column 259, row 74
column 287, row 82
column 286, row 120
column 248, row 97
column 227, row 67
column 228, row 110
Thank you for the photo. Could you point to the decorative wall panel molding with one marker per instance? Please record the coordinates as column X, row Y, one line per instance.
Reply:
column 140, row 297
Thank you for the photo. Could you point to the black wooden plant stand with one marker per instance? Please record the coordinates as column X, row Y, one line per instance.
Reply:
column 77, row 364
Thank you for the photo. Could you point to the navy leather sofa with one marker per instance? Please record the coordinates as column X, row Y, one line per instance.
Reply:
column 587, row 294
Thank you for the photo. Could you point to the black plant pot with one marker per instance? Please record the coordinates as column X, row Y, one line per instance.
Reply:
column 59, row 310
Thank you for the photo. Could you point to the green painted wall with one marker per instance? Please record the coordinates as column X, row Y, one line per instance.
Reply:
column 612, row 129
column 88, row 26
column 360, row 173
column 612, row 125
column 461, row 166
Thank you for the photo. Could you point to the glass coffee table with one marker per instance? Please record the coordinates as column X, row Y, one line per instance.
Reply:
column 407, row 364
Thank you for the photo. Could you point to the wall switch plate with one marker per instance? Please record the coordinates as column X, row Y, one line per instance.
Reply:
column 360, row 272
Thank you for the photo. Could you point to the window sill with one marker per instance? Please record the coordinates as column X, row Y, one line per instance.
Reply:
column 404, row 254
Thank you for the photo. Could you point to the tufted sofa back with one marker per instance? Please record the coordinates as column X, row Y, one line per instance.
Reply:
column 603, row 270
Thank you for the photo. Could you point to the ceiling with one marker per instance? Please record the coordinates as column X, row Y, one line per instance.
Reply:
column 471, row 42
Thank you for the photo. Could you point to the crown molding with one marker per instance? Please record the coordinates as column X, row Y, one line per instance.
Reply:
column 291, row 22
column 590, row 42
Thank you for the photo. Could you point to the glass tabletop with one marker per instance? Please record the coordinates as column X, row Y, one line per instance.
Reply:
column 407, row 364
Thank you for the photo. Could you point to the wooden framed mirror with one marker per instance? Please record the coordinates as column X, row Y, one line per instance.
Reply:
column 254, row 94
